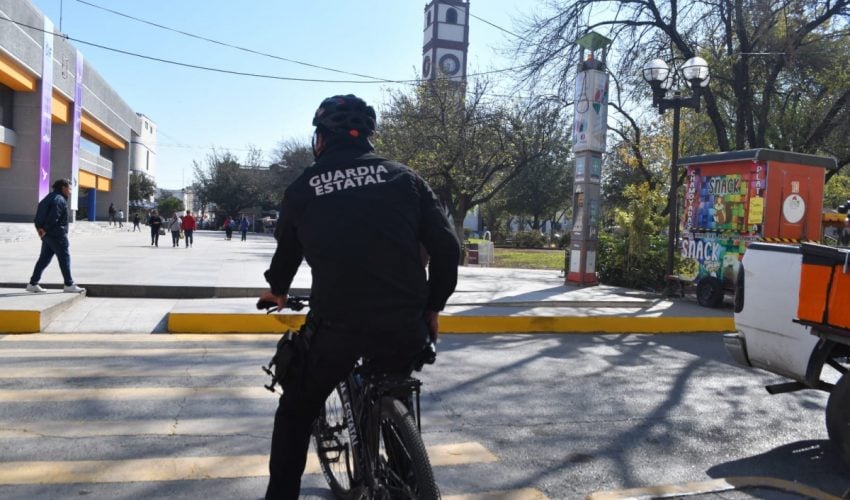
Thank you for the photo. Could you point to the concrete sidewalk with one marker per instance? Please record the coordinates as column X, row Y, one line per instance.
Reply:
column 212, row 286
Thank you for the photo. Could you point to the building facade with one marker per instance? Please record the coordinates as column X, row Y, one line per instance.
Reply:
column 60, row 119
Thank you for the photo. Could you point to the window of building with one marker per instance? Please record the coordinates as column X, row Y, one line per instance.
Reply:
column 95, row 148
column 451, row 16
column 429, row 18
column 90, row 146
column 107, row 153
column 147, row 160
column 7, row 96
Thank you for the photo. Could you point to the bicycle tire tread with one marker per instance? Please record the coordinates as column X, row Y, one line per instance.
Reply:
column 397, row 412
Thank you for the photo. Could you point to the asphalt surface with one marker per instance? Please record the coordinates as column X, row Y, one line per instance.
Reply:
column 564, row 415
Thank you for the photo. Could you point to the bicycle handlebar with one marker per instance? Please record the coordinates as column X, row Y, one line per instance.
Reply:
column 295, row 302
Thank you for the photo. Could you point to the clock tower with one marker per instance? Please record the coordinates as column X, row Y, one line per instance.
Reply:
column 446, row 40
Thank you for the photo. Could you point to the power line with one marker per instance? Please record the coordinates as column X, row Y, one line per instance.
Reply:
column 225, row 44
column 485, row 22
column 242, row 73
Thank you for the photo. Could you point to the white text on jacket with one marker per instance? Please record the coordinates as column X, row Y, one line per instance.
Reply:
column 340, row 180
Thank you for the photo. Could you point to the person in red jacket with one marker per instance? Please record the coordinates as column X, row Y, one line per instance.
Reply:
column 189, row 226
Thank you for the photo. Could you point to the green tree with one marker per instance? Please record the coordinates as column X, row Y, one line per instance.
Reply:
column 168, row 205
column 836, row 192
column 291, row 158
column 467, row 147
column 234, row 186
column 633, row 254
column 142, row 188
column 542, row 191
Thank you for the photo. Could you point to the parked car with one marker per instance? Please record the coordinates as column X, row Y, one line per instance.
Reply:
column 793, row 319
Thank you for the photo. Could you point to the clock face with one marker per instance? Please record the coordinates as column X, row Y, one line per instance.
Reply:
column 426, row 66
column 449, row 64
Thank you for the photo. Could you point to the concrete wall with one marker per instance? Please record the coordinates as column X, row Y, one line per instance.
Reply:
column 19, row 184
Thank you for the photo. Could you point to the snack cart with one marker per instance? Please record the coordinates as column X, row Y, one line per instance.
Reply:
column 737, row 197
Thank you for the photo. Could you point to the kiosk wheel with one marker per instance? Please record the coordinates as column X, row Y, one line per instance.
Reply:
column 710, row 292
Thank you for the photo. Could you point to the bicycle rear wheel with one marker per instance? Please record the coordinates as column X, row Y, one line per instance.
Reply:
column 403, row 463
column 334, row 447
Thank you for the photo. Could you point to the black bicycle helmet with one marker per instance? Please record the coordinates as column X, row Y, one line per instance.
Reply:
column 345, row 114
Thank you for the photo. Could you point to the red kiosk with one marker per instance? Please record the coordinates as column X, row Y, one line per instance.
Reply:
column 737, row 197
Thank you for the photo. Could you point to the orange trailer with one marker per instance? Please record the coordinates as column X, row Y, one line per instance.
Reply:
column 737, row 197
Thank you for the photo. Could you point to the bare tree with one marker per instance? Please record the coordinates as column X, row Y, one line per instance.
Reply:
column 775, row 64
column 466, row 146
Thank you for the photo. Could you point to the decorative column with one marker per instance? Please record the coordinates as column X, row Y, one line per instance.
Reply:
column 46, row 95
column 589, row 133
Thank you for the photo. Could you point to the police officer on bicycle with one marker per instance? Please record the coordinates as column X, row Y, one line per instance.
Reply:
column 360, row 221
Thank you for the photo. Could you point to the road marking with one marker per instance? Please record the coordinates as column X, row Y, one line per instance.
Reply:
column 213, row 369
column 713, row 486
column 521, row 494
column 132, row 394
column 163, row 427
column 191, row 468
column 59, row 338
column 129, row 352
column 459, row 453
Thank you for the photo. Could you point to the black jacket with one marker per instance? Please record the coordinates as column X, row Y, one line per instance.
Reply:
column 52, row 215
column 359, row 220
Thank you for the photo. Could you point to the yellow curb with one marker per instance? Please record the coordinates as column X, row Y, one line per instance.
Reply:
column 233, row 323
column 582, row 324
column 279, row 323
column 20, row 321
column 713, row 486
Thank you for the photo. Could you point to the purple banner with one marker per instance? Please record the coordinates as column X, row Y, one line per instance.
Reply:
column 46, row 110
column 77, row 124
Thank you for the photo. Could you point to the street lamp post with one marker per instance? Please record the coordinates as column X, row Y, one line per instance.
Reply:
column 694, row 72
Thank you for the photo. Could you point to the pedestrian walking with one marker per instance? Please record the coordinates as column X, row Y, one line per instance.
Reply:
column 51, row 222
column 243, row 226
column 189, row 225
column 111, row 214
column 155, row 223
column 136, row 221
column 228, row 228
column 174, row 225
column 121, row 218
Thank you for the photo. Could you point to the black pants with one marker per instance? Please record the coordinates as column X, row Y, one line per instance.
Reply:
column 154, row 236
column 50, row 246
column 332, row 353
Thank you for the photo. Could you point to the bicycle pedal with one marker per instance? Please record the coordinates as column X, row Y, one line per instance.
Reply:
column 270, row 388
column 268, row 371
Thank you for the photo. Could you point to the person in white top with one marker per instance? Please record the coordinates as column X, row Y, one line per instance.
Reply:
column 174, row 224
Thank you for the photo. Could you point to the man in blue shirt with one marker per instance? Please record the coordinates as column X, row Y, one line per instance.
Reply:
column 51, row 222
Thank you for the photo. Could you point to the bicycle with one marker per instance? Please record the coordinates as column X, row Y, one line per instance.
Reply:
column 368, row 435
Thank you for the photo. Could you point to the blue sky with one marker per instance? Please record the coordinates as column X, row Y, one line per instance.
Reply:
column 196, row 110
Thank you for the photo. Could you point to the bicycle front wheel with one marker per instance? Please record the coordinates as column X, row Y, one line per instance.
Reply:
column 403, row 463
column 334, row 446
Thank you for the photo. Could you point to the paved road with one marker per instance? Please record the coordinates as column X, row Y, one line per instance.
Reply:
column 539, row 416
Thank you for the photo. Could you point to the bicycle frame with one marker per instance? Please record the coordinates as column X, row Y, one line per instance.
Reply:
column 363, row 412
